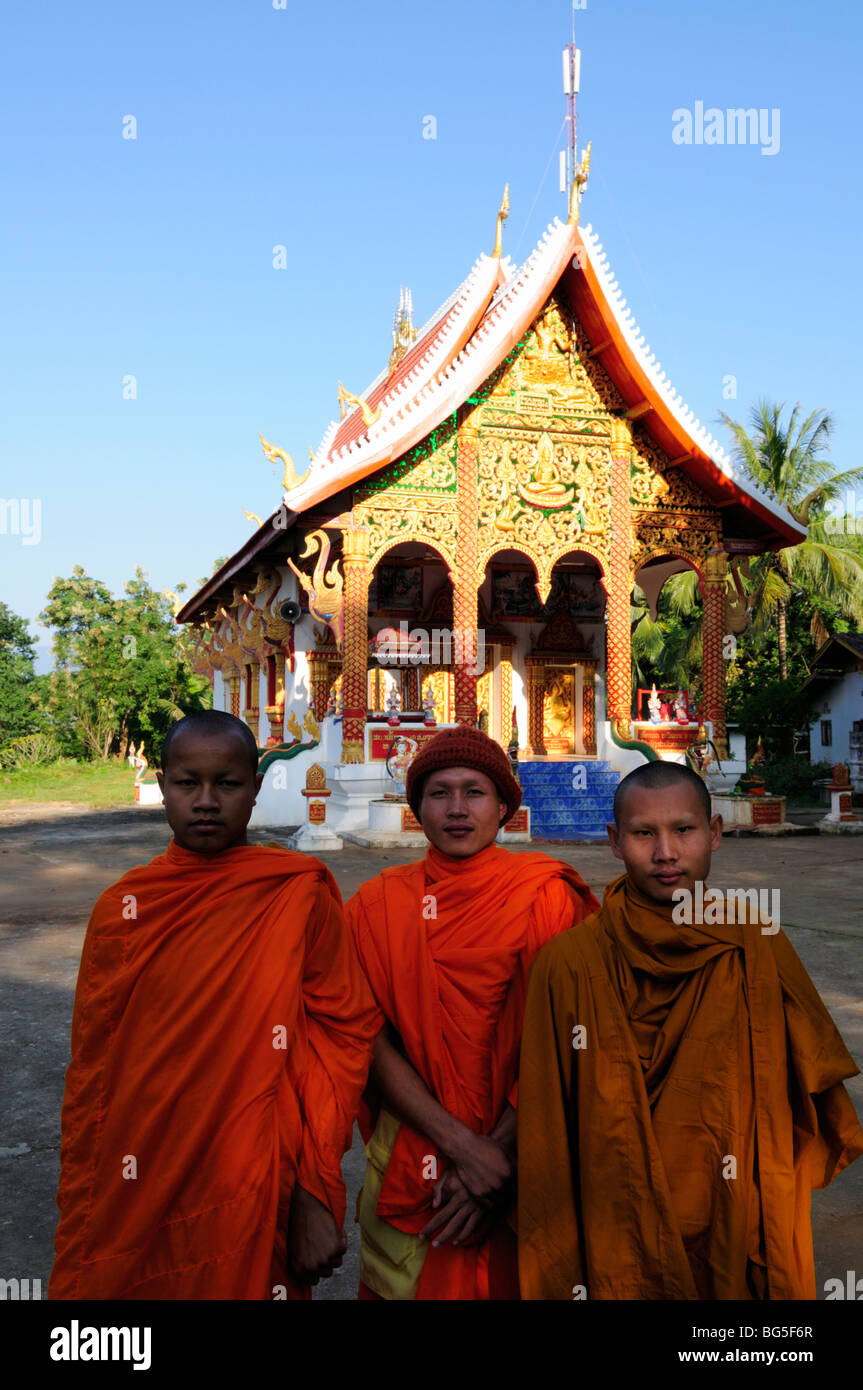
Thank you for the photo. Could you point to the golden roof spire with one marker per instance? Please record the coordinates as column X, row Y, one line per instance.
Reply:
column 578, row 184
column 502, row 215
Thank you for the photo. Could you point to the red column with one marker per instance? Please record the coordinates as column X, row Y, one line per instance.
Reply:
column 356, row 655
column 464, row 579
column 713, row 586
column 618, row 646
column 535, row 708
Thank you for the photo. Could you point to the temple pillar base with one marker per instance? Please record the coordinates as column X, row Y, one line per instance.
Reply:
column 312, row 839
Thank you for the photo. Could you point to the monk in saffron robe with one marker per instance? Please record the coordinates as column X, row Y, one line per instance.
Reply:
column 446, row 944
column 681, row 1081
column 221, row 1039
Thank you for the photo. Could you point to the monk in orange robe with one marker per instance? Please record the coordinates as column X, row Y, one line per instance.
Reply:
column 446, row 944
column 221, row 1039
column 681, row 1081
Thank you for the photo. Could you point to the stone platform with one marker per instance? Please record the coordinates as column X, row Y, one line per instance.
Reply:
column 742, row 812
column 393, row 825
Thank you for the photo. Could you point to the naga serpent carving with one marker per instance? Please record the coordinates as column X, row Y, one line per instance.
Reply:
column 326, row 586
column 370, row 417
column 290, row 480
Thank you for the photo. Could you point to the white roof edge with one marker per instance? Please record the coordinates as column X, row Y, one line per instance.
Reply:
column 429, row 396
column 473, row 286
column 433, row 400
column 675, row 403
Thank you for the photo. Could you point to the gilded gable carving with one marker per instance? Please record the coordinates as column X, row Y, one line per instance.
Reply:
column 430, row 467
column 654, row 485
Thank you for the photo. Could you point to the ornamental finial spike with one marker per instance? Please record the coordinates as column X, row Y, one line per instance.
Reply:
column 289, row 476
column 370, row 417
column 578, row 184
column 502, row 215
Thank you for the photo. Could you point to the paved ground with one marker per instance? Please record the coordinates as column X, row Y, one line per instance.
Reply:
column 54, row 861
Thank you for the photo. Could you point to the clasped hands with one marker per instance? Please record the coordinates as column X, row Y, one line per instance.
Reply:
column 468, row 1196
column 315, row 1243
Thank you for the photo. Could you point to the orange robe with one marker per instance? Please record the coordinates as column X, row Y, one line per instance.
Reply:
column 680, row 1096
column 221, row 1039
column 446, row 945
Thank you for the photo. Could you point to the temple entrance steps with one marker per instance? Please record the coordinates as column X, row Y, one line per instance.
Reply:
column 569, row 799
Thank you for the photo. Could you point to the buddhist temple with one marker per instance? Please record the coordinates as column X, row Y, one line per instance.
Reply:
column 463, row 547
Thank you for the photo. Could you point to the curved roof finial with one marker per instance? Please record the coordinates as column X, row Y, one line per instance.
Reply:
column 578, row 184
column 502, row 215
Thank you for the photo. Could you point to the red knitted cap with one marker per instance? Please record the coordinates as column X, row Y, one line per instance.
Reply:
column 463, row 747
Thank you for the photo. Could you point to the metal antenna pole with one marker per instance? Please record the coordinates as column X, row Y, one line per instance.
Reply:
column 571, row 83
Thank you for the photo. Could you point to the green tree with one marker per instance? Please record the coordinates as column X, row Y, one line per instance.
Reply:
column 122, row 669
column 19, row 713
column 790, row 461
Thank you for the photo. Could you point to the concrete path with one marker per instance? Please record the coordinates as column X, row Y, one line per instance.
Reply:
column 55, row 861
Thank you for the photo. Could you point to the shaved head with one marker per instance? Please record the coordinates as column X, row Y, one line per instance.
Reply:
column 211, row 723
column 657, row 777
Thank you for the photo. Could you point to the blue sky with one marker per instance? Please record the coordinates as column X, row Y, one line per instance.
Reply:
column 303, row 127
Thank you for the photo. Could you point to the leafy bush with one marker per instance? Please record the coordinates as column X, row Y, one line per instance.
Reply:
column 795, row 778
column 773, row 713
column 33, row 750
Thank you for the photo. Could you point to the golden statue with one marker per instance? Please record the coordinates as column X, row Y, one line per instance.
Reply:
column 559, row 715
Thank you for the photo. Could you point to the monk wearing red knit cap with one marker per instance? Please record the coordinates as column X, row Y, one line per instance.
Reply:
column 446, row 945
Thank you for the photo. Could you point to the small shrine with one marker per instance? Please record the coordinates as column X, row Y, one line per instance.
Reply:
column 841, row 816
column 147, row 791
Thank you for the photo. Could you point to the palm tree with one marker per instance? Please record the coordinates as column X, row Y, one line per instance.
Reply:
column 673, row 649
column 790, row 460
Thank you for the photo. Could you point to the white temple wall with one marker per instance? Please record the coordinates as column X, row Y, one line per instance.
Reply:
column 841, row 703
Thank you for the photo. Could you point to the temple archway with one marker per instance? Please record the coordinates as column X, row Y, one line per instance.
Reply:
column 410, row 618
column 549, row 654
column 665, row 709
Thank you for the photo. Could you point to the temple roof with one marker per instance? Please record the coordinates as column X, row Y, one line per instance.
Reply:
column 840, row 654
column 470, row 335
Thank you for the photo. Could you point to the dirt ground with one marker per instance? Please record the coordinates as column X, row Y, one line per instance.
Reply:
column 55, row 861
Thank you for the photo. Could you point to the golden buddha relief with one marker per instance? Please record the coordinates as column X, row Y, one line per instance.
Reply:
column 545, row 488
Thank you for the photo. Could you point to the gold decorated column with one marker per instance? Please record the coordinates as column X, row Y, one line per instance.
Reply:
column 319, row 682
column 234, row 691
column 464, row 580
column 252, row 712
column 276, row 710
column 355, row 563
column 618, row 648
column 713, row 587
